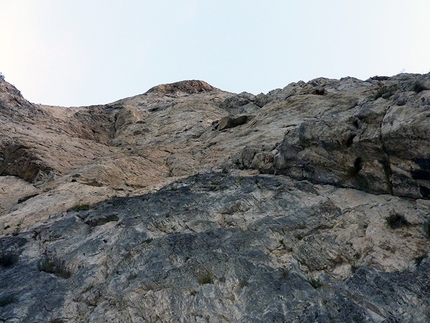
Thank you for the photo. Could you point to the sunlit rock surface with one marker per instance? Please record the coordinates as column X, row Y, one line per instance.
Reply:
column 191, row 204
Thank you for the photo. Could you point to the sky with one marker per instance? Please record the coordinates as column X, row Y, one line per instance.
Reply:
column 85, row 52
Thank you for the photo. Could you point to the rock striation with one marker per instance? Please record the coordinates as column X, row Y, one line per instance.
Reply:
column 191, row 204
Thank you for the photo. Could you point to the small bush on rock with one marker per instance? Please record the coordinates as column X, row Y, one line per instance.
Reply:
column 419, row 259
column 8, row 259
column 418, row 87
column 17, row 229
column 385, row 92
column 380, row 92
column 54, row 266
column 6, row 300
column 396, row 220
column 83, row 207
column 315, row 282
column 243, row 283
column 205, row 278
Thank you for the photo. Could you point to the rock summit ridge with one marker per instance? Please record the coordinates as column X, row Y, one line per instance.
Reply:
column 189, row 87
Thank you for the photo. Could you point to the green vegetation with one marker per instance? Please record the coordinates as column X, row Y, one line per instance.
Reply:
column 7, row 300
column 243, row 283
column 17, row 229
column 396, row 220
column 418, row 87
column 284, row 273
column 419, row 259
column 381, row 91
column 81, row 207
column 299, row 236
column 102, row 220
column 205, row 278
column 8, row 259
column 54, row 266
column 314, row 282
column 385, row 92
column 88, row 288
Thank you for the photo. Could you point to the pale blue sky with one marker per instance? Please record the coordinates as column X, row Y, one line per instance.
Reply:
column 82, row 52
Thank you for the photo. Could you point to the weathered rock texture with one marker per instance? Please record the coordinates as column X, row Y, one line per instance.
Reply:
column 191, row 204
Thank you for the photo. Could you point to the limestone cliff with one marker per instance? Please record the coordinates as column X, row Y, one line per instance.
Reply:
column 191, row 204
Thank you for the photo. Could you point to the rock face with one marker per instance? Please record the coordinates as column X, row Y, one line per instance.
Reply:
column 191, row 204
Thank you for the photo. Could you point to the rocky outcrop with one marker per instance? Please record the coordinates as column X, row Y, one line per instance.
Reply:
column 191, row 204
column 366, row 135
column 186, row 87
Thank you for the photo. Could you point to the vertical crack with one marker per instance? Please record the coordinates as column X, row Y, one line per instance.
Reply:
column 114, row 129
column 386, row 163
